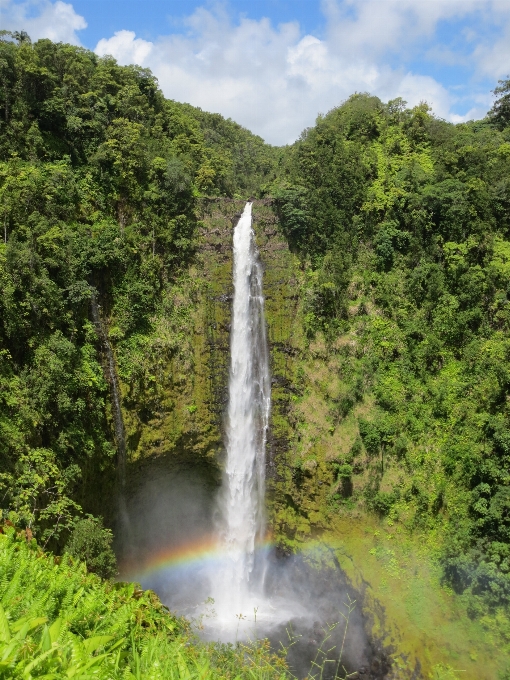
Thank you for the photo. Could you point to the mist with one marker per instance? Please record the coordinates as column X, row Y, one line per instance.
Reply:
column 307, row 605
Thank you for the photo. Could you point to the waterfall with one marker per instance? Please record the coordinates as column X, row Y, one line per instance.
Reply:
column 242, row 517
column 213, row 567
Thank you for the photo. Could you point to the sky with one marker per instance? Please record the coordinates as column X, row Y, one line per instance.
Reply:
column 274, row 65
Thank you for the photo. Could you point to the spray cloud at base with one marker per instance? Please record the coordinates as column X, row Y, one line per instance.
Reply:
column 176, row 554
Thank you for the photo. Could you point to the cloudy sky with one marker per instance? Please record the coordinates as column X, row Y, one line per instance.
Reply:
column 273, row 65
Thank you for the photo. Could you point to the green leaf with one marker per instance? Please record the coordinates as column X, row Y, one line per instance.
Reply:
column 28, row 626
column 5, row 633
column 54, row 630
column 38, row 660
column 91, row 644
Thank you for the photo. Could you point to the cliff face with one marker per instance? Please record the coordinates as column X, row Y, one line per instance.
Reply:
column 174, row 378
column 173, row 381
column 175, row 407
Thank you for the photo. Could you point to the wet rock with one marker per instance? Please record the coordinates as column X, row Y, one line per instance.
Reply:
column 284, row 383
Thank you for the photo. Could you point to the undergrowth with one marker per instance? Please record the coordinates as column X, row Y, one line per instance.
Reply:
column 57, row 620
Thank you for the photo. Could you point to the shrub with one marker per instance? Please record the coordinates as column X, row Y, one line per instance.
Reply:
column 383, row 501
column 370, row 436
column 91, row 543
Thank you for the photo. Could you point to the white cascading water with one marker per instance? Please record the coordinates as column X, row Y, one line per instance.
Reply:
column 238, row 589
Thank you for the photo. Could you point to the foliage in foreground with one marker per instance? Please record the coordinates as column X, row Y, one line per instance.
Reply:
column 56, row 620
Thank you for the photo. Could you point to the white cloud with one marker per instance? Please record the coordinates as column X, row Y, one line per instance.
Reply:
column 57, row 21
column 374, row 28
column 493, row 58
column 126, row 47
column 473, row 114
column 274, row 80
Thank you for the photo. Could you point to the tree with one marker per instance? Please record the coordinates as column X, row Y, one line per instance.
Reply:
column 500, row 112
column 92, row 543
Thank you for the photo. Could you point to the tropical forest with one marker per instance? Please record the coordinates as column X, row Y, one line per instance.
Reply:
column 366, row 370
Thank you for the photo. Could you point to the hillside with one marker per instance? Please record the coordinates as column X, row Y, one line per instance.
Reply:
column 100, row 185
column 402, row 223
column 384, row 233
column 400, row 403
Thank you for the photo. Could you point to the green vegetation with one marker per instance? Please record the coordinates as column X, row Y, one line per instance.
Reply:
column 402, row 224
column 100, row 179
column 56, row 620
column 101, row 190
column 91, row 543
column 388, row 319
column 500, row 112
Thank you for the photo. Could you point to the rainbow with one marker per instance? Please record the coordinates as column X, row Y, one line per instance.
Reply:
column 204, row 551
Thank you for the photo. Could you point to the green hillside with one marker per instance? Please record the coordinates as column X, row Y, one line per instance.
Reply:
column 100, row 184
column 385, row 235
column 402, row 223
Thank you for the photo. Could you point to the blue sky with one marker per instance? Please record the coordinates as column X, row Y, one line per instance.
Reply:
column 155, row 17
column 273, row 65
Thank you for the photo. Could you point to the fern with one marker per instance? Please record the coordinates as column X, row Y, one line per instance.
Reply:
column 56, row 620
